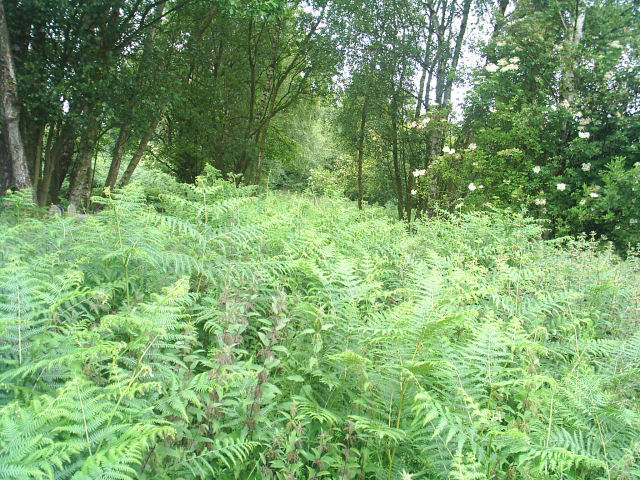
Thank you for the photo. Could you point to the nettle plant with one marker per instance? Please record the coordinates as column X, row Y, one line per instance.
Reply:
column 204, row 332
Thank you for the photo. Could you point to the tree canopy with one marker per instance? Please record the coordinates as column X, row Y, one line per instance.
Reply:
column 428, row 105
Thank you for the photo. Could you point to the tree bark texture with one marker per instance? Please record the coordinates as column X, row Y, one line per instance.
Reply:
column 81, row 175
column 118, row 153
column 394, row 155
column 5, row 168
column 11, row 110
column 137, row 156
column 363, row 124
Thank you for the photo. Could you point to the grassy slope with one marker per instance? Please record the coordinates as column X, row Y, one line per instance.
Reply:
column 208, row 333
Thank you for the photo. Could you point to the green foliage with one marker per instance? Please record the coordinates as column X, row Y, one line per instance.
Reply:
column 205, row 332
column 554, row 115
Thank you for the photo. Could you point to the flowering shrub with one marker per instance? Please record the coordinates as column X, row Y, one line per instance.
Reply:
column 614, row 208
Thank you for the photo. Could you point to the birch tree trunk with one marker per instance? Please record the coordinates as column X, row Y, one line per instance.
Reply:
column 456, row 52
column 574, row 37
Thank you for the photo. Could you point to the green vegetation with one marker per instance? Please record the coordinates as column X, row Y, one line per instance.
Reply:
column 420, row 104
column 319, row 239
column 203, row 331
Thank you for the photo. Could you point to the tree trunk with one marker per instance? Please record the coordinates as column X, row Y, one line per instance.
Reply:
column 574, row 37
column 81, row 175
column 499, row 18
column 116, row 159
column 33, row 149
column 61, row 167
column 422, row 93
column 125, row 128
column 266, row 93
column 423, row 79
column 456, row 52
column 434, row 148
column 570, row 59
column 263, row 140
column 265, row 101
column 363, row 124
column 59, row 140
column 394, row 155
column 11, row 109
column 5, row 168
column 198, row 34
column 137, row 156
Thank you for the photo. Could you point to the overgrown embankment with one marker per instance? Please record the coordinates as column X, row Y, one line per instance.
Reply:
column 203, row 332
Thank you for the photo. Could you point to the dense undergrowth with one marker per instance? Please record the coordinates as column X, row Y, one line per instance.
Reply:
column 207, row 332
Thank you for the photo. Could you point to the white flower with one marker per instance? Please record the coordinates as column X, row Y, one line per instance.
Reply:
column 472, row 146
column 633, row 221
column 480, row 186
column 586, row 167
column 413, row 192
column 565, row 103
column 608, row 75
column 491, row 68
column 616, row 44
column 424, row 122
column 579, row 114
column 561, row 186
column 514, row 59
column 509, row 67
column 501, row 43
column 584, row 134
column 406, row 475
column 419, row 173
column 502, row 62
column 583, row 201
column 585, row 121
column 472, row 187
column 594, row 195
column 448, row 150
column 541, row 201
column 604, row 237
column 536, row 169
